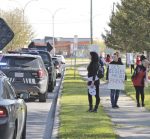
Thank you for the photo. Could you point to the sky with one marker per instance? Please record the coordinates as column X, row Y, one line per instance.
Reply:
column 71, row 17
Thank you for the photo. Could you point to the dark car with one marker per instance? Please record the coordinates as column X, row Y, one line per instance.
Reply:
column 27, row 73
column 47, row 59
column 13, row 112
column 58, row 66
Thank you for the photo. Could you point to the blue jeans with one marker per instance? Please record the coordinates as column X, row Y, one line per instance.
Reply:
column 114, row 95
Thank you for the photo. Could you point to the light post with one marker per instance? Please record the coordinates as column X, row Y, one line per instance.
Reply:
column 91, row 21
column 53, row 23
column 24, row 10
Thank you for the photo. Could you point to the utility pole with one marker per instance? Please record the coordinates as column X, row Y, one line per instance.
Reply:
column 91, row 21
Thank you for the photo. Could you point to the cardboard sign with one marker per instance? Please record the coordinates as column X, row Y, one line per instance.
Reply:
column 130, row 58
column 6, row 34
column 116, row 76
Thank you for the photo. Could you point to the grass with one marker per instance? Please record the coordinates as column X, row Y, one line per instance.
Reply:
column 131, row 91
column 76, row 123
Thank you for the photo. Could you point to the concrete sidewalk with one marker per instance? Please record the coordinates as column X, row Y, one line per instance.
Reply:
column 129, row 121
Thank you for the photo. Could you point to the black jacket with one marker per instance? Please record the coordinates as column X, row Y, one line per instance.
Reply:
column 93, row 67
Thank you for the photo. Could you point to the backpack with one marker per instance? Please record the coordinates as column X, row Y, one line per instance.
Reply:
column 100, row 72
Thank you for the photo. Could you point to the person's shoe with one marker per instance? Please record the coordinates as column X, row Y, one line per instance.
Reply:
column 95, row 110
column 116, row 106
column 90, row 110
column 113, row 107
column 143, row 105
column 138, row 105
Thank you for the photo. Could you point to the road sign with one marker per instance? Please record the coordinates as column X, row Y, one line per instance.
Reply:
column 6, row 34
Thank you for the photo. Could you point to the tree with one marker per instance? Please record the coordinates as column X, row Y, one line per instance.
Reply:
column 130, row 26
column 22, row 30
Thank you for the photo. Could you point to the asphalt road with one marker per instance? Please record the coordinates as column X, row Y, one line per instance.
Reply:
column 38, row 117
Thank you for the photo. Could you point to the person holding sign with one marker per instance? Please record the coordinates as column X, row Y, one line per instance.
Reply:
column 115, row 75
column 139, row 78
column 93, row 82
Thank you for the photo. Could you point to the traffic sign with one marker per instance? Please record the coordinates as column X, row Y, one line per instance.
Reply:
column 6, row 34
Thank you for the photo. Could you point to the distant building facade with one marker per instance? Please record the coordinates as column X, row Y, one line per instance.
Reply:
column 65, row 46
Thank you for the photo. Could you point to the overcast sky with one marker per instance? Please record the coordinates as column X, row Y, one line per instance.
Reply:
column 72, row 18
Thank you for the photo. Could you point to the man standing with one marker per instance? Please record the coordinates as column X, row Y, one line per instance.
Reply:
column 114, row 95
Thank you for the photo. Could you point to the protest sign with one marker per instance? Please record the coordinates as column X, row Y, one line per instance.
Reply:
column 130, row 58
column 116, row 77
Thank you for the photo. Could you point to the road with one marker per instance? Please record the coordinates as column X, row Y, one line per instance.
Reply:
column 38, row 116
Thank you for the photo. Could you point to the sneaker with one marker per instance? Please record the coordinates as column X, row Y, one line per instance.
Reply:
column 138, row 105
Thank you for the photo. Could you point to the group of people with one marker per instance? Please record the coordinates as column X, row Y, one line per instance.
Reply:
column 138, row 78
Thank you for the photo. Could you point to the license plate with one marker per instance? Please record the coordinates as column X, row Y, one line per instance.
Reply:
column 17, row 74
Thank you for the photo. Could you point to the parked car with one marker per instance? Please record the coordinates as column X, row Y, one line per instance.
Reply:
column 27, row 73
column 61, row 58
column 13, row 112
column 47, row 59
column 58, row 66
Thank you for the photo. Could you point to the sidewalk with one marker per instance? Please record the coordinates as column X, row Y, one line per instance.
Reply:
column 130, row 122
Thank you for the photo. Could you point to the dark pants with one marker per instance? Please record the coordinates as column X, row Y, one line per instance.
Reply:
column 97, row 98
column 132, row 68
column 139, row 91
column 114, row 95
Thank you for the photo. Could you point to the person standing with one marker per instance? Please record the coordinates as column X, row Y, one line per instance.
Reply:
column 93, row 81
column 138, row 79
column 114, row 94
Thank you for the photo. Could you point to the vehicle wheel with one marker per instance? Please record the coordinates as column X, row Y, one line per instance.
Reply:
column 15, row 132
column 24, row 129
column 55, row 83
column 42, row 97
column 51, row 87
column 24, row 132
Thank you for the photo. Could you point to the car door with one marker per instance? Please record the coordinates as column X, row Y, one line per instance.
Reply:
column 20, row 108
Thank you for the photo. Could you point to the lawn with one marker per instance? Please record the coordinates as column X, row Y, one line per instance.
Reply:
column 131, row 91
column 75, row 122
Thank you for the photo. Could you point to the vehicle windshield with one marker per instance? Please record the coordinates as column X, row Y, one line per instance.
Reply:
column 17, row 61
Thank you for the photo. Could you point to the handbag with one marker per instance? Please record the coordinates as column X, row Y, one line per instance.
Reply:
column 100, row 72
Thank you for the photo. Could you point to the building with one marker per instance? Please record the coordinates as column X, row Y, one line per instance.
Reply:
column 65, row 46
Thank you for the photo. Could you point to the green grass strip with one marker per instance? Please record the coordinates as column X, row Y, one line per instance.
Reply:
column 75, row 122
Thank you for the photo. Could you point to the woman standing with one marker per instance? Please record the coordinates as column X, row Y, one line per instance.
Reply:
column 93, row 81
column 138, row 79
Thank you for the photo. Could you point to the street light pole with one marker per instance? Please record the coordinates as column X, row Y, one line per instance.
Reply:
column 91, row 21
column 53, row 24
column 24, row 11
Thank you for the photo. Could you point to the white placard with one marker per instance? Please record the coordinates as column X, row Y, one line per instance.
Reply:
column 130, row 58
column 116, row 76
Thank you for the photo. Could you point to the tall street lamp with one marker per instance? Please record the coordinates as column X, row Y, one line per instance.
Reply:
column 91, row 21
column 53, row 23
column 24, row 8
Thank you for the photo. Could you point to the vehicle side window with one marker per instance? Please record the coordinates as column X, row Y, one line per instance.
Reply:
column 6, row 94
column 10, row 91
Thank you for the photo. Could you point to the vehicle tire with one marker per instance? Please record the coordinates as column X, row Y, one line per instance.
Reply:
column 55, row 83
column 42, row 97
column 51, row 87
column 15, row 132
column 24, row 129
